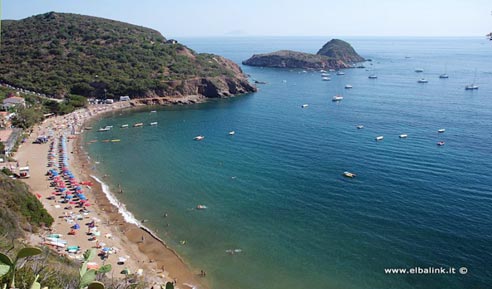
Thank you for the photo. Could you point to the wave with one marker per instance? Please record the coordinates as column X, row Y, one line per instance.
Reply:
column 130, row 218
column 127, row 215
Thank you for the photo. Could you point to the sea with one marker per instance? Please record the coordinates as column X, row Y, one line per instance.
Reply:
column 280, row 213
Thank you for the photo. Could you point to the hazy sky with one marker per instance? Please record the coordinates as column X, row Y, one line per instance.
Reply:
column 175, row 18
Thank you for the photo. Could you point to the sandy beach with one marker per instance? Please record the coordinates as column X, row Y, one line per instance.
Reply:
column 142, row 251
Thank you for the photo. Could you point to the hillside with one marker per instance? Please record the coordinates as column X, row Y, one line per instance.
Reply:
column 59, row 53
column 19, row 209
column 335, row 54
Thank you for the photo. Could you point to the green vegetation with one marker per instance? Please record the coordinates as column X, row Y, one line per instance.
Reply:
column 31, row 267
column 88, row 276
column 60, row 54
column 8, row 266
column 19, row 209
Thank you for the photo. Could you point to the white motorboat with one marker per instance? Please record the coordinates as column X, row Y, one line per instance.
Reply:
column 349, row 174
column 378, row 138
column 326, row 78
column 337, row 98
column 444, row 75
column 441, row 130
column 124, row 125
column 360, row 126
column 200, row 137
column 419, row 70
column 153, row 123
column 471, row 87
column 304, row 105
column 403, row 135
column 422, row 80
column 232, row 132
column 138, row 124
column 373, row 76
column 348, row 86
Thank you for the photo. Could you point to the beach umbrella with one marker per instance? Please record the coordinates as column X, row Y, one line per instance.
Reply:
column 76, row 227
column 68, row 196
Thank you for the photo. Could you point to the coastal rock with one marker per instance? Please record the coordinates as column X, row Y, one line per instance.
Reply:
column 335, row 54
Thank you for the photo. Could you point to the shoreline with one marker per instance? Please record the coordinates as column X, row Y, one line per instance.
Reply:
column 145, row 249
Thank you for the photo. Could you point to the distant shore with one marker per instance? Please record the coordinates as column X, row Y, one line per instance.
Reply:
column 143, row 247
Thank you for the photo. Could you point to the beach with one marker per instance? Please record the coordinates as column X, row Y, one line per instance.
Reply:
column 141, row 250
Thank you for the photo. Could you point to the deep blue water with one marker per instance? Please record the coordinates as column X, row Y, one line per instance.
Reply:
column 276, row 190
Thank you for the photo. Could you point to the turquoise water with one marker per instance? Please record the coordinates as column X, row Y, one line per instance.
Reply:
column 275, row 189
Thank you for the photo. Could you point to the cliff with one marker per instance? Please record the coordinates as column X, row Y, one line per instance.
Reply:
column 335, row 54
column 60, row 54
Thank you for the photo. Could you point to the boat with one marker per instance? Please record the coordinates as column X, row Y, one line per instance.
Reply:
column 232, row 132
column 378, row 138
column 153, row 123
column 201, row 207
column 419, row 70
column 472, row 86
column 348, row 86
column 360, row 126
column 444, row 75
column 115, row 140
column 340, row 73
column 349, row 174
column 200, row 137
column 153, row 111
column 331, row 70
column 322, row 71
column 441, row 130
column 403, row 135
column 440, row 143
column 324, row 74
column 422, row 80
column 373, row 76
column 361, row 66
column 138, row 124
column 326, row 78
column 124, row 125
column 304, row 105
column 103, row 129
column 337, row 98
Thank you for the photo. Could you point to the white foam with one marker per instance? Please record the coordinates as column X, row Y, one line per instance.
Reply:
column 127, row 215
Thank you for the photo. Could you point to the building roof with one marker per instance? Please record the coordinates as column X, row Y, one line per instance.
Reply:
column 14, row 100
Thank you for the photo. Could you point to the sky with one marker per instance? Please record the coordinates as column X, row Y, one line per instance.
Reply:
column 202, row 18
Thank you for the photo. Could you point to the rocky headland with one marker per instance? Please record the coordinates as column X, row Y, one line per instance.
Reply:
column 335, row 54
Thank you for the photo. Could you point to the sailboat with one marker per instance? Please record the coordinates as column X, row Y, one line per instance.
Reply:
column 445, row 74
column 472, row 86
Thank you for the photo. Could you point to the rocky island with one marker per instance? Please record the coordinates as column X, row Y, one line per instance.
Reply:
column 335, row 54
column 61, row 54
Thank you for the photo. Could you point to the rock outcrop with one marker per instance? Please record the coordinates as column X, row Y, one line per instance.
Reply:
column 335, row 54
